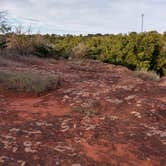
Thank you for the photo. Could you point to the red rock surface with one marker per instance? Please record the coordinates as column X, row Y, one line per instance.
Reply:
column 101, row 115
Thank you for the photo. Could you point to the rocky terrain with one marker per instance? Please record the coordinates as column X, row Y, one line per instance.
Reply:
column 101, row 115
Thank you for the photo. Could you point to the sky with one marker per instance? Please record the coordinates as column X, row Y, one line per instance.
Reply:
column 86, row 16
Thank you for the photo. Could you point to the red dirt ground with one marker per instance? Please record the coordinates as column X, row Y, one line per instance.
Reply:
column 101, row 115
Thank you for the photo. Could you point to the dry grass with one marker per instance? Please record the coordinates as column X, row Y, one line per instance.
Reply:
column 85, row 111
column 79, row 51
column 26, row 45
column 33, row 83
column 20, row 44
column 147, row 75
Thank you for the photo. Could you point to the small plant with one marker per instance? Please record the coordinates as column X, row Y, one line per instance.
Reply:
column 42, row 47
column 42, row 50
column 20, row 44
column 147, row 75
column 32, row 83
column 3, row 45
column 79, row 51
column 85, row 111
column 23, row 43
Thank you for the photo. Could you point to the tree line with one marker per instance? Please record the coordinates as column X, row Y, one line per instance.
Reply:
column 134, row 50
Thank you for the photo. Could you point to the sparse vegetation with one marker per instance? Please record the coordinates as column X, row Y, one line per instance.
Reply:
column 29, row 45
column 147, row 75
column 79, row 51
column 85, row 111
column 133, row 50
column 33, row 83
column 20, row 44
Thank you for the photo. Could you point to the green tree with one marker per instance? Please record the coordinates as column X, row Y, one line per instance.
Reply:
column 4, row 27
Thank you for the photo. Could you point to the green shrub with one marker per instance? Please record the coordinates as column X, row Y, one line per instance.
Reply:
column 133, row 50
column 3, row 44
column 33, row 83
column 43, row 50
column 42, row 47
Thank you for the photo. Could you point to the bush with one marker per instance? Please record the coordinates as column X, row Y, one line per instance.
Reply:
column 30, row 45
column 133, row 50
column 43, row 51
column 3, row 44
column 42, row 47
column 147, row 75
column 33, row 83
column 20, row 44
column 80, row 51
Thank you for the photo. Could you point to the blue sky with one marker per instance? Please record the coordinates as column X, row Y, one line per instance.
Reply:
column 86, row 16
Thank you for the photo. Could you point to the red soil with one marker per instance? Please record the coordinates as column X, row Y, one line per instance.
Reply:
column 123, row 122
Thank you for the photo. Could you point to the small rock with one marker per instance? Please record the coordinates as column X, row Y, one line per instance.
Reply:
column 14, row 130
column 115, row 101
column 112, row 117
column 136, row 114
column 14, row 149
column 76, row 165
column 23, row 163
column 27, row 143
column 43, row 123
column 3, row 158
column 130, row 97
column 29, row 150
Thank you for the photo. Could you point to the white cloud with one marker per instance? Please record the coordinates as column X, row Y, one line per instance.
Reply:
column 88, row 16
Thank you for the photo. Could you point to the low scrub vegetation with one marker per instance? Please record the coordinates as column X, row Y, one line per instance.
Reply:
column 27, row 45
column 147, row 75
column 134, row 50
column 32, row 83
column 79, row 51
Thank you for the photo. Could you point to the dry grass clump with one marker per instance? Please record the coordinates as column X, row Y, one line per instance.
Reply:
column 33, row 83
column 79, row 51
column 147, row 75
column 20, row 44
column 85, row 111
column 26, row 45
